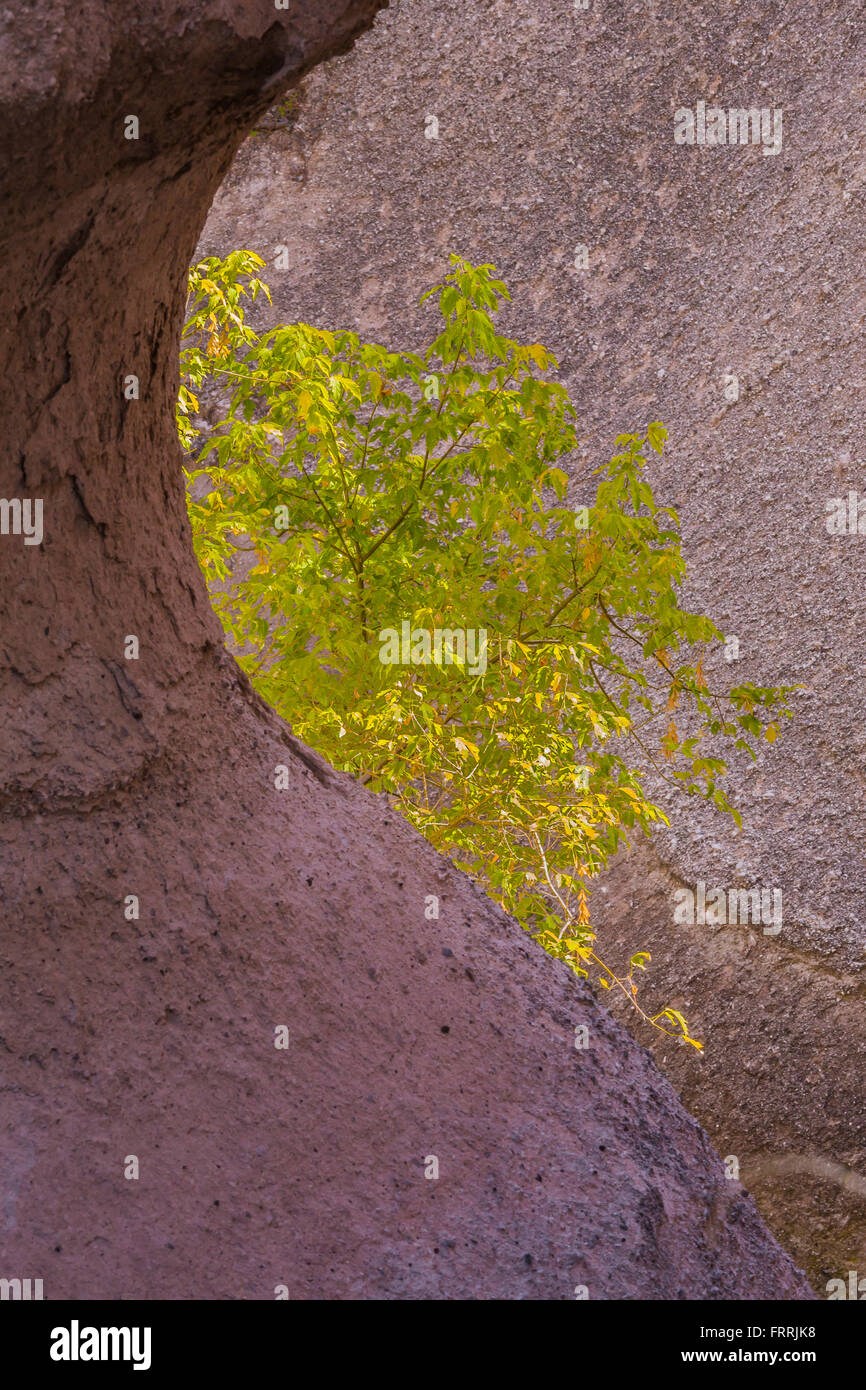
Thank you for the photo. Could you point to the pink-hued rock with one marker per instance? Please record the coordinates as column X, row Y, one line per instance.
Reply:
column 152, row 1037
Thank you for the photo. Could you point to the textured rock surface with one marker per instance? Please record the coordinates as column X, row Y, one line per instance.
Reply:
column 555, row 130
column 408, row 1038
column 153, row 1037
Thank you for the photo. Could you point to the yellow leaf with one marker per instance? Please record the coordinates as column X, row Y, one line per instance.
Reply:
column 465, row 746
column 217, row 343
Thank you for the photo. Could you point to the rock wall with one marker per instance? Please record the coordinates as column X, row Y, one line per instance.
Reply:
column 521, row 133
column 172, row 909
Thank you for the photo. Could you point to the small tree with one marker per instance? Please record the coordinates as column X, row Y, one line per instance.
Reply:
column 388, row 497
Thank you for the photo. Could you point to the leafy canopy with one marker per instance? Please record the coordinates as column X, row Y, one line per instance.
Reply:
column 372, row 489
